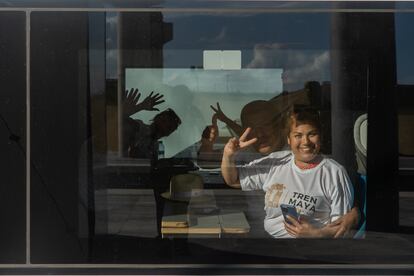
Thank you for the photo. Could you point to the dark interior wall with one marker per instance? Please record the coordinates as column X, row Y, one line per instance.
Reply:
column 12, row 120
column 59, row 93
column 364, row 80
column 382, row 165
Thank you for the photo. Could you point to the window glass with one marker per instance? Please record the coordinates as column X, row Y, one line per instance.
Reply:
column 205, row 69
column 13, row 136
column 405, row 88
column 206, row 133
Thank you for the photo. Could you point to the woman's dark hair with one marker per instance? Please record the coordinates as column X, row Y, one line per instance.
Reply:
column 301, row 114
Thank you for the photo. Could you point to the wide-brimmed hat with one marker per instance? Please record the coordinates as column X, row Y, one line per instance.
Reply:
column 185, row 187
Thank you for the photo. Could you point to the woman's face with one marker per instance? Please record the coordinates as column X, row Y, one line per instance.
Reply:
column 305, row 142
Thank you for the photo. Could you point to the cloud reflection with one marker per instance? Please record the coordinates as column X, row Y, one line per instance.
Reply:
column 299, row 65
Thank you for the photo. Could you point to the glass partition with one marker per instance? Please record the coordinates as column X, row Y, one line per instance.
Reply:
column 218, row 76
column 196, row 134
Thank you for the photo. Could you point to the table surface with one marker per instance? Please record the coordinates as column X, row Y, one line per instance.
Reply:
column 202, row 217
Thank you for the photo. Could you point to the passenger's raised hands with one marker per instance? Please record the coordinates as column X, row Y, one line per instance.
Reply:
column 219, row 113
column 131, row 105
column 234, row 144
column 130, row 102
column 151, row 101
column 208, row 139
column 211, row 132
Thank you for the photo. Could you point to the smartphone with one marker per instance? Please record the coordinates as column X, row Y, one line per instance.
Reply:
column 289, row 210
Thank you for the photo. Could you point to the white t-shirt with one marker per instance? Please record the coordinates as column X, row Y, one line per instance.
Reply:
column 249, row 154
column 321, row 194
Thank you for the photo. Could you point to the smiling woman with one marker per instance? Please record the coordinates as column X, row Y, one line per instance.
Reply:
column 294, row 177
column 304, row 138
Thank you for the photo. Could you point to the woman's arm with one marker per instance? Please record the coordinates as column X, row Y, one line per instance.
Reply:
column 343, row 211
column 228, row 164
column 303, row 229
column 345, row 224
column 228, row 168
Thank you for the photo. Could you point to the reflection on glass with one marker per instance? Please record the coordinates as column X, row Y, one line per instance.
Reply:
column 276, row 71
column 190, row 92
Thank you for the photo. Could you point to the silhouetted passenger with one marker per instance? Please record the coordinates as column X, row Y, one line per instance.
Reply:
column 267, row 125
column 261, row 116
column 139, row 139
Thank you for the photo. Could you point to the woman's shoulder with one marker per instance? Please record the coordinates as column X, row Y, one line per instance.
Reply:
column 283, row 154
column 274, row 158
column 280, row 157
column 333, row 164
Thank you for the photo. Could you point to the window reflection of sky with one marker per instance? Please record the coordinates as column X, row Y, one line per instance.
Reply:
column 244, row 30
column 190, row 92
column 111, row 44
column 217, row 31
column 247, row 81
column 297, row 42
column 404, row 38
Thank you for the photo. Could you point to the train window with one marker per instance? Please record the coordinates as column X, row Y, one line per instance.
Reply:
column 191, row 134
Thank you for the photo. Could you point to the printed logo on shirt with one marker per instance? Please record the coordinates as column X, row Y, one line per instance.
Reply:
column 278, row 194
column 274, row 194
column 304, row 203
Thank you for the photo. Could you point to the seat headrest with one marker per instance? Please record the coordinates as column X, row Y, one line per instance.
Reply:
column 361, row 133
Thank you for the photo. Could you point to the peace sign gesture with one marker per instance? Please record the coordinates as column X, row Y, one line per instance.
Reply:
column 234, row 144
column 219, row 113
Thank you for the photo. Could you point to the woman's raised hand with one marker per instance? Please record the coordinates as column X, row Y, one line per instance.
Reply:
column 234, row 144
